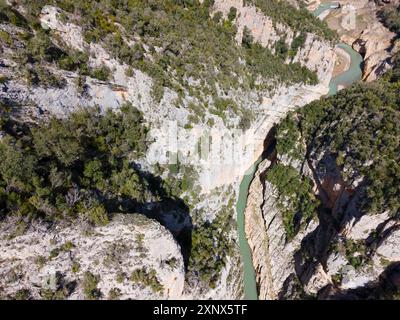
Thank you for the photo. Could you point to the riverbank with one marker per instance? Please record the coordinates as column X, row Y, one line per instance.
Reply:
column 343, row 61
column 359, row 25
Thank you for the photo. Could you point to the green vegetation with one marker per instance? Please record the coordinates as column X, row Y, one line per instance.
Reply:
column 120, row 277
column 172, row 263
column 62, row 289
column 359, row 127
column 89, row 284
column 40, row 261
column 355, row 253
column 71, row 167
column 76, row 266
column 297, row 43
column 391, row 18
column 102, row 73
column 208, row 53
column 37, row 49
column 232, row 14
column 68, row 246
column 147, row 279
column 115, row 253
column 8, row 14
column 139, row 244
column 289, row 140
column 86, row 165
column 302, row 19
column 22, row 294
column 337, row 279
column 296, row 199
column 48, row 294
column 78, row 167
column 114, row 294
column 211, row 245
column 264, row 63
column 39, row 75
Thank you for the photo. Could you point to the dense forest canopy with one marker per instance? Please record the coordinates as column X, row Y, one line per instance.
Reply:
column 300, row 20
column 79, row 165
column 391, row 18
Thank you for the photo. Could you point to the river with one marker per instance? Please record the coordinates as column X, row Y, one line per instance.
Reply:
column 346, row 78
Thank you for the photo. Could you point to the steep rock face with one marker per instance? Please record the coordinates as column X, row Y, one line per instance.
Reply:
column 273, row 255
column 261, row 26
column 376, row 45
column 344, row 253
column 257, row 237
column 70, row 33
column 321, row 177
column 56, row 260
column 282, row 267
column 356, row 230
column 342, row 248
column 389, row 247
column 60, row 101
column 315, row 54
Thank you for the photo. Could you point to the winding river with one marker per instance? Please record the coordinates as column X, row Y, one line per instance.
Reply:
column 346, row 78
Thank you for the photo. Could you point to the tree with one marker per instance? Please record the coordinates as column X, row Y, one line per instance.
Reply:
column 59, row 140
column 89, row 284
column 247, row 39
column 232, row 14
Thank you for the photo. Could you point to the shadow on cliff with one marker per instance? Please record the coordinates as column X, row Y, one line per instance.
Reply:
column 387, row 287
column 334, row 213
column 270, row 152
column 170, row 212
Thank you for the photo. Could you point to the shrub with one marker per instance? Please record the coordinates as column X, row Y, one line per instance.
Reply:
column 98, row 215
column 114, row 294
column 23, row 294
column 232, row 13
column 147, row 278
column 102, row 73
column 76, row 267
column 90, row 282
column 247, row 39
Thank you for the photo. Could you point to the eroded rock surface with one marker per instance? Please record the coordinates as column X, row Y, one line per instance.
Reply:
column 47, row 263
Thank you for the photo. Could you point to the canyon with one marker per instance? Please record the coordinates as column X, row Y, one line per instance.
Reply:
column 141, row 255
column 306, row 265
column 218, row 181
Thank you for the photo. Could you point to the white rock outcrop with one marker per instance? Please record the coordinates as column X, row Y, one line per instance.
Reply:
column 390, row 247
column 112, row 252
column 273, row 256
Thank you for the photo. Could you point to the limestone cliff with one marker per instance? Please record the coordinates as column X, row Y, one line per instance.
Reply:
column 312, row 220
column 54, row 262
column 309, row 264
